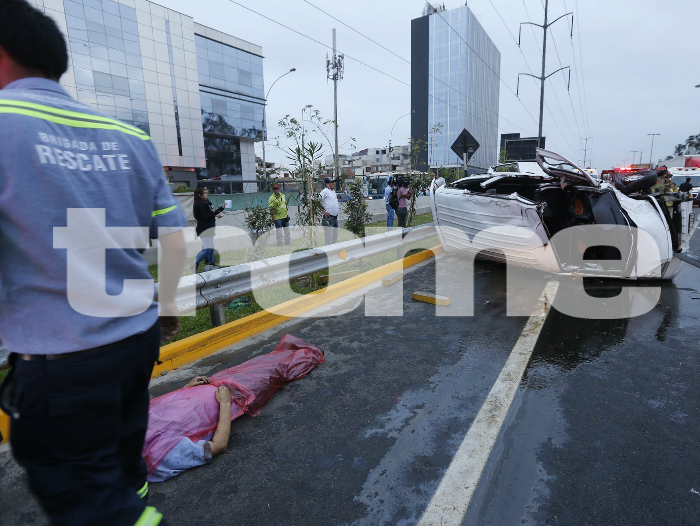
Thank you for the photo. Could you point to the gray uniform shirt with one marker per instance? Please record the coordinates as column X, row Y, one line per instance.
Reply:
column 60, row 157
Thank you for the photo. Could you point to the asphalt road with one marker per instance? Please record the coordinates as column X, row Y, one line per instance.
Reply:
column 603, row 430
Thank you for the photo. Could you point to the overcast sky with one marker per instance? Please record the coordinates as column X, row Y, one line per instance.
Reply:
column 640, row 66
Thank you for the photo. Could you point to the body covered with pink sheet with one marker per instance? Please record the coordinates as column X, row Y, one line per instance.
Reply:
column 192, row 412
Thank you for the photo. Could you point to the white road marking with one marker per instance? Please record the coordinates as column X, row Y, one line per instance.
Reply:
column 452, row 497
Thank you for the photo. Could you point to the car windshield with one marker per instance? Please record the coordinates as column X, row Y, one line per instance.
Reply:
column 694, row 180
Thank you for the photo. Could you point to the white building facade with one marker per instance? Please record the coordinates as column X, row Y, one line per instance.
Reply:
column 196, row 91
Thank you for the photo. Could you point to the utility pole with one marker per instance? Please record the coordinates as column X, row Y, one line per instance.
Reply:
column 334, row 70
column 585, row 150
column 651, row 152
column 634, row 152
column 544, row 77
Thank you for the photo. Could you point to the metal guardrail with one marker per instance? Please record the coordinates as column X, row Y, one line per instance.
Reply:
column 216, row 287
column 689, row 257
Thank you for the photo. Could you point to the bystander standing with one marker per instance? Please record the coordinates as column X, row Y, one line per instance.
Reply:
column 391, row 185
column 279, row 210
column 404, row 194
column 329, row 203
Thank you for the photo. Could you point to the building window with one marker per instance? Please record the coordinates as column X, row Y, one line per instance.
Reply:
column 223, row 156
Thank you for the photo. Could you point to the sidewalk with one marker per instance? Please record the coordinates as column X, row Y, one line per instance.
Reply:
column 236, row 218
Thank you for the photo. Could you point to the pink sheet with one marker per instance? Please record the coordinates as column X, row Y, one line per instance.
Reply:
column 194, row 412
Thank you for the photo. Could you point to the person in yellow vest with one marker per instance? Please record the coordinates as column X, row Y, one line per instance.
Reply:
column 279, row 210
column 664, row 184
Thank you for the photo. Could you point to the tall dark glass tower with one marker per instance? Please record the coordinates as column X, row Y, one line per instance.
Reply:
column 454, row 85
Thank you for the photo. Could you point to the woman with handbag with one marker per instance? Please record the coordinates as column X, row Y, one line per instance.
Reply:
column 279, row 210
column 205, row 215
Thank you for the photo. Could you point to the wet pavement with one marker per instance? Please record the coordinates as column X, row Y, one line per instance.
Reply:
column 603, row 429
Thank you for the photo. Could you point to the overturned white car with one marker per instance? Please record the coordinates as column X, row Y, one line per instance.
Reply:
column 553, row 216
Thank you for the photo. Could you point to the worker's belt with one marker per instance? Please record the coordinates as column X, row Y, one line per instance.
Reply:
column 334, row 217
column 51, row 357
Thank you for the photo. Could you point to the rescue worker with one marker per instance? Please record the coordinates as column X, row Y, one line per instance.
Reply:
column 77, row 307
column 670, row 186
column 660, row 186
column 664, row 184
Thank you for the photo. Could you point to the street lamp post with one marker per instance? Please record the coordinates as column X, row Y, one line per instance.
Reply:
column 263, row 123
column 391, row 135
column 651, row 152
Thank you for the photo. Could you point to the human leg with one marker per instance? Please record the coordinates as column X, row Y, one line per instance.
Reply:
column 401, row 214
column 287, row 236
column 327, row 230
column 69, row 430
column 334, row 230
column 389, row 217
column 208, row 246
column 135, row 415
column 278, row 231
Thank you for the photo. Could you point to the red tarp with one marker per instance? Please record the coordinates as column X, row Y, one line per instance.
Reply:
column 193, row 412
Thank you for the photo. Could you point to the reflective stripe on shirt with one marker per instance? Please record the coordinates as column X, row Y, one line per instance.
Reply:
column 163, row 211
column 68, row 118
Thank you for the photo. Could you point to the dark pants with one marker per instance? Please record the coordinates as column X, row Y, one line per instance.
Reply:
column 402, row 213
column 330, row 227
column 279, row 225
column 78, row 429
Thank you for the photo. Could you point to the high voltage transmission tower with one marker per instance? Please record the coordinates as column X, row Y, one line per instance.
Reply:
column 544, row 77
column 334, row 71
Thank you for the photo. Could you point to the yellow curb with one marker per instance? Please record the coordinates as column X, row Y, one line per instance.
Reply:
column 426, row 297
column 4, row 426
column 390, row 280
column 188, row 350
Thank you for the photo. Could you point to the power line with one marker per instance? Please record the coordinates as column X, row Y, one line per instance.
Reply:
column 551, row 113
column 409, row 63
column 539, row 48
column 370, row 67
column 561, row 66
column 487, row 65
column 530, row 70
column 569, row 92
column 576, row 73
column 580, row 57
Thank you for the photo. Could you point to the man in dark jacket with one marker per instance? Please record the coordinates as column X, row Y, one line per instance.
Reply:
column 687, row 186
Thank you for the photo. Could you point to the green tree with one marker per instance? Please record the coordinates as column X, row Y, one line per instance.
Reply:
column 257, row 218
column 420, row 181
column 436, row 129
column 356, row 213
column 449, row 175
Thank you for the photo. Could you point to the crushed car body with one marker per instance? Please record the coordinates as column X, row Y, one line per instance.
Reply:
column 550, row 215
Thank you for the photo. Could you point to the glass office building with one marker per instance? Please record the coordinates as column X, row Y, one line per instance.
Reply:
column 196, row 91
column 454, row 86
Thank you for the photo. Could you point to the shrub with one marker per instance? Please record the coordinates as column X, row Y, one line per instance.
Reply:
column 356, row 210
